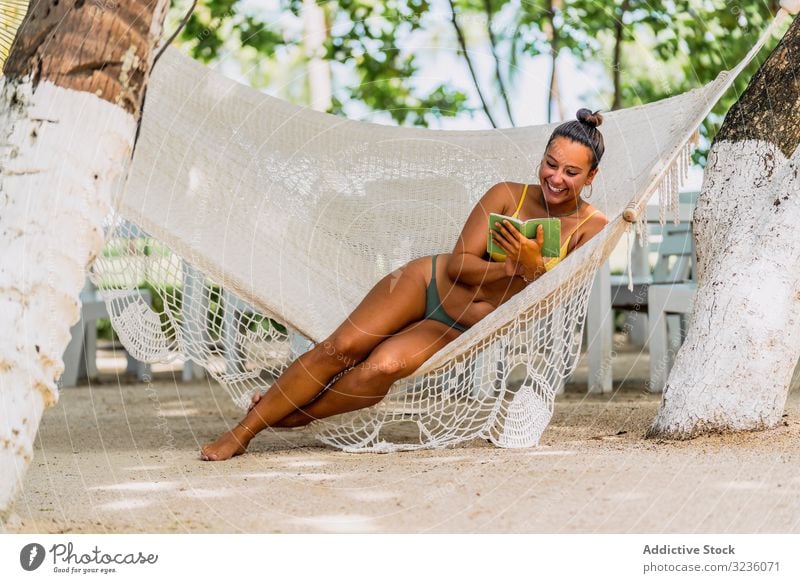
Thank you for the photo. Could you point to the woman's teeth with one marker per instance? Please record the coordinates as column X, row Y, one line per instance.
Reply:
column 553, row 189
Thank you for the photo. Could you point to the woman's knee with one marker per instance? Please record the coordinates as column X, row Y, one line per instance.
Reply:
column 384, row 365
column 340, row 351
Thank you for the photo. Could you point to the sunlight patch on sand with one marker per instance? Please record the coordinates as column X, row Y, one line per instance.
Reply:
column 546, row 452
column 343, row 523
column 288, row 475
column 446, row 459
column 125, row 504
column 306, row 464
column 372, row 495
column 138, row 487
column 261, row 475
column 202, row 493
column 178, row 412
column 317, row 477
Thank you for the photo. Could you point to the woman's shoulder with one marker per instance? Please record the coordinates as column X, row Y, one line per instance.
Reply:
column 510, row 193
column 595, row 215
column 594, row 223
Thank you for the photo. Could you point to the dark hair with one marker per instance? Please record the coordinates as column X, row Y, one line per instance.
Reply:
column 584, row 131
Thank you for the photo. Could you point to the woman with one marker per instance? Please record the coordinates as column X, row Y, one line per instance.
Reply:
column 402, row 321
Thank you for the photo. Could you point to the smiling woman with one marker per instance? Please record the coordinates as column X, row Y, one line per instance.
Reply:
column 569, row 164
column 413, row 312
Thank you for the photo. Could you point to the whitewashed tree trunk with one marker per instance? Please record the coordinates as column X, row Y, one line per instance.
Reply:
column 67, row 125
column 734, row 371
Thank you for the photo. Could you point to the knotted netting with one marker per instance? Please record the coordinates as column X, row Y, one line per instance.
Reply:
column 250, row 228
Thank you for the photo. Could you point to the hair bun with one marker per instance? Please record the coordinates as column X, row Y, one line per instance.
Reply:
column 586, row 116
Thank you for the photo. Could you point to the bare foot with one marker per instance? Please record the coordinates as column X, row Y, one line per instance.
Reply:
column 230, row 444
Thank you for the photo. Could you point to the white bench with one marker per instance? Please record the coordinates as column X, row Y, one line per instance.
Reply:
column 80, row 357
column 667, row 302
column 674, row 245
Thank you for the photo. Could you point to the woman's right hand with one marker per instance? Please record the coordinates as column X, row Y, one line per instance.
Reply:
column 523, row 255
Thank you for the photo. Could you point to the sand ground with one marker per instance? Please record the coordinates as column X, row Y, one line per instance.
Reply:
column 115, row 457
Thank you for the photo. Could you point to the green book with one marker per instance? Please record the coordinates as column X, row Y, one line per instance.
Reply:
column 552, row 233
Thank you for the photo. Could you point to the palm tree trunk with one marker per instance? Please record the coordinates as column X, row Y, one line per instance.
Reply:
column 735, row 368
column 70, row 102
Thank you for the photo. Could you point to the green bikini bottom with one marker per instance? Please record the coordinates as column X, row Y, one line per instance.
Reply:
column 433, row 305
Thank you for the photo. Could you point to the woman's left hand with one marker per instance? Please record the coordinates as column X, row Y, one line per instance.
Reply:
column 523, row 255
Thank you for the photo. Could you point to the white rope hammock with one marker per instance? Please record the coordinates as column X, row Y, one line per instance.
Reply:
column 260, row 225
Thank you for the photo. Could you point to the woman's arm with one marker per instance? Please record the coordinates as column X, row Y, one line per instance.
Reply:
column 472, row 270
column 589, row 230
column 466, row 263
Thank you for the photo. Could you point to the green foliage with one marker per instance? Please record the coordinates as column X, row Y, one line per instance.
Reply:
column 715, row 36
column 364, row 37
column 257, row 323
column 368, row 39
column 666, row 47
column 675, row 46
column 216, row 27
column 104, row 330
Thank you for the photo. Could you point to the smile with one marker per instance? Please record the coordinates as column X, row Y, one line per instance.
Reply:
column 555, row 190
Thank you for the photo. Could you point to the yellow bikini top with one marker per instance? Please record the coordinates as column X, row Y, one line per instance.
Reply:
column 551, row 262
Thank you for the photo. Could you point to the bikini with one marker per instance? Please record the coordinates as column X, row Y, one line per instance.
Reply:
column 551, row 262
column 433, row 304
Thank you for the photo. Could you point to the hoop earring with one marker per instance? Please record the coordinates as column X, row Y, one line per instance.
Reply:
column 590, row 192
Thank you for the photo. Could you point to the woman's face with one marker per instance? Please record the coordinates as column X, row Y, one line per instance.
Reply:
column 565, row 170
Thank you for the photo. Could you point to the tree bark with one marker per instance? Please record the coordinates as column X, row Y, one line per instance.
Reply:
column 735, row 368
column 69, row 105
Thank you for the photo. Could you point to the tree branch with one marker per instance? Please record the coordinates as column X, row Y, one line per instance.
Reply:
column 462, row 42
column 493, row 43
column 619, row 36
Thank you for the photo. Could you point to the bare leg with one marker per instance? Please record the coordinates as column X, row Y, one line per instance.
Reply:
column 368, row 383
column 396, row 301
